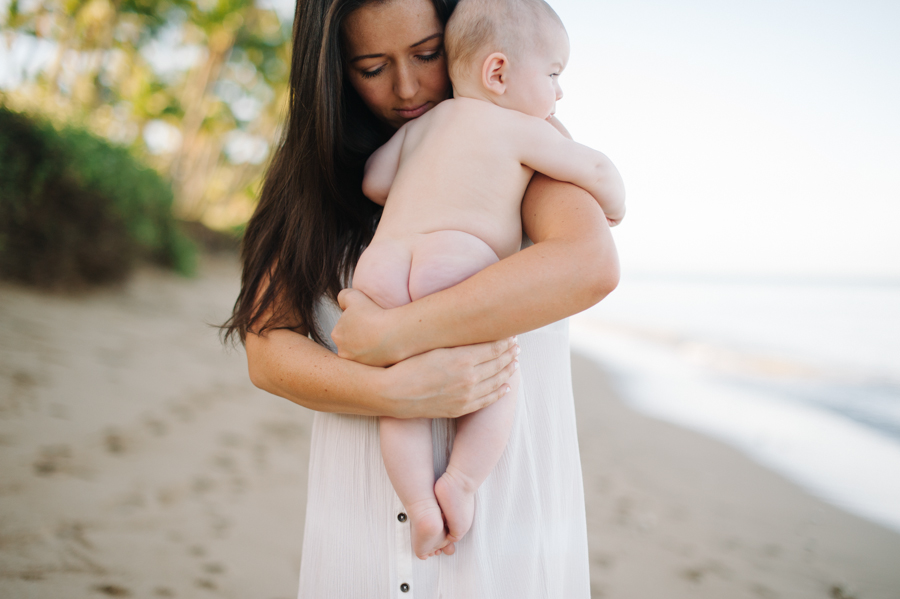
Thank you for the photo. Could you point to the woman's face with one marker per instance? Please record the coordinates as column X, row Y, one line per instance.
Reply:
column 394, row 58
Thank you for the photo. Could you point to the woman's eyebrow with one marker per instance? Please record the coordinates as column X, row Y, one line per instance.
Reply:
column 427, row 39
column 418, row 43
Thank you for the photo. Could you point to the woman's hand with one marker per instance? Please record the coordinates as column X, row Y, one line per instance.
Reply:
column 362, row 332
column 448, row 383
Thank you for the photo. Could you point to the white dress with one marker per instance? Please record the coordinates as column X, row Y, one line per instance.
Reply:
column 529, row 538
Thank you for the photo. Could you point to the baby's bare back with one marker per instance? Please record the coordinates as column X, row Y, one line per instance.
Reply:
column 458, row 171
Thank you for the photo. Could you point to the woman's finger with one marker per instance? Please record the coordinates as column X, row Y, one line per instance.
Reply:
column 342, row 298
column 499, row 379
column 349, row 297
column 486, row 353
column 491, row 368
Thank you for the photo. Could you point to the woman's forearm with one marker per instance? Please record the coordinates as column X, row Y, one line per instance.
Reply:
column 571, row 266
column 292, row 366
column 443, row 383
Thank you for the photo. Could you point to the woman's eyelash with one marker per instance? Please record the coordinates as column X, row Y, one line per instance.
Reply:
column 430, row 57
column 370, row 74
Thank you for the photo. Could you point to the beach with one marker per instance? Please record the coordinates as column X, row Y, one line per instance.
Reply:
column 137, row 460
column 675, row 514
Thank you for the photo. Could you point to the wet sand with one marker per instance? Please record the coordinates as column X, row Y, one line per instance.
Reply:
column 138, row 461
column 673, row 514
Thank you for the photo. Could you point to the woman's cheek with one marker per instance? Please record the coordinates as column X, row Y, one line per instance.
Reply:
column 439, row 80
column 371, row 93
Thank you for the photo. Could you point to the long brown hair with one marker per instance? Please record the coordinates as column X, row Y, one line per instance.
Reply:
column 312, row 221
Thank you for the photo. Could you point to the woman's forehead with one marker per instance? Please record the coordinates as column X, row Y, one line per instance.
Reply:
column 381, row 27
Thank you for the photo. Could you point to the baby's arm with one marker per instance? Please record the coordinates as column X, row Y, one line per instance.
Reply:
column 542, row 147
column 559, row 127
column 381, row 168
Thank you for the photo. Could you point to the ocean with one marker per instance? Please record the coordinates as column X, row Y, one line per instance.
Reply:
column 802, row 376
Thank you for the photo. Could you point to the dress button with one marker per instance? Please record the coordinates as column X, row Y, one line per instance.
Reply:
column 404, row 587
column 402, row 518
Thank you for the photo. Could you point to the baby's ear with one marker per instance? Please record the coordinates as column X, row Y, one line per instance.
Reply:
column 494, row 73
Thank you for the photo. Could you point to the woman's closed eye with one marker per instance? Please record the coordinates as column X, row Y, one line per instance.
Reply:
column 372, row 73
column 431, row 56
column 425, row 58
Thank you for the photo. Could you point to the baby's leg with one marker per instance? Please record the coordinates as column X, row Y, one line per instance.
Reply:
column 441, row 260
column 407, row 454
column 382, row 273
column 480, row 441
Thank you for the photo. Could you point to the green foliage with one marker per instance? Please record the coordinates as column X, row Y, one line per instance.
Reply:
column 210, row 74
column 75, row 209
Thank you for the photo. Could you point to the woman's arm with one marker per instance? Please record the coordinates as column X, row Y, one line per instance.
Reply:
column 571, row 266
column 445, row 383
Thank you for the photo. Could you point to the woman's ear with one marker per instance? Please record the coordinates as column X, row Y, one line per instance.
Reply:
column 494, row 73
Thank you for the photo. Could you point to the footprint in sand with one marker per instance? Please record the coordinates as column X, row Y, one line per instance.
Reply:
column 115, row 442
column 155, row 425
column 53, row 459
column 112, row 590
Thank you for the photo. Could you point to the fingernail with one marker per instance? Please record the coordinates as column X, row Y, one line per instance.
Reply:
column 518, row 350
column 505, row 391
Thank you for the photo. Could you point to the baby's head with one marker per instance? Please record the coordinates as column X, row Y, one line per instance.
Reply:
column 509, row 52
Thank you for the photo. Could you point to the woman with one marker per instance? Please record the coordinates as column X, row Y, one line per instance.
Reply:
column 361, row 68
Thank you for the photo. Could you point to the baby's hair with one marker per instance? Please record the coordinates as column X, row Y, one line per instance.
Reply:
column 478, row 27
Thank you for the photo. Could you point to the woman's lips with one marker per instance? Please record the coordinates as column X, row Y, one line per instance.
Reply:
column 411, row 113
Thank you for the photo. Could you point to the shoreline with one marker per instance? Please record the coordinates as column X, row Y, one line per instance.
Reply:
column 773, row 410
column 672, row 513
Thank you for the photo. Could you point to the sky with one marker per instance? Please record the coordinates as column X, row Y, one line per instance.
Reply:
column 755, row 138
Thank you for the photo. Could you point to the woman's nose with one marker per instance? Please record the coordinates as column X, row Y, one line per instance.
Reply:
column 406, row 84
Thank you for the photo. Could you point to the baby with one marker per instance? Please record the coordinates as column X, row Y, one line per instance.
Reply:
column 451, row 182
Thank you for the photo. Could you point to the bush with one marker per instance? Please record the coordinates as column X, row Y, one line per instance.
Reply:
column 76, row 210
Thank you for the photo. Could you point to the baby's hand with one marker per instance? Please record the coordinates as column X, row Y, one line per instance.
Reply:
column 615, row 219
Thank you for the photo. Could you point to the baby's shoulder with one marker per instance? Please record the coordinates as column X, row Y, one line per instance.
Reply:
column 468, row 108
column 462, row 103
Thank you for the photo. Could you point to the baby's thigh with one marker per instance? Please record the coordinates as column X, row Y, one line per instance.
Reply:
column 444, row 258
column 382, row 272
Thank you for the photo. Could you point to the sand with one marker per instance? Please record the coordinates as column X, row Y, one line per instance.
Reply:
column 673, row 514
column 136, row 460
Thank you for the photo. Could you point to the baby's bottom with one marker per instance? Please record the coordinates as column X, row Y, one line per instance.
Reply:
column 395, row 272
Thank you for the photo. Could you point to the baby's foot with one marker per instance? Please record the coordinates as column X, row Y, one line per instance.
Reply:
column 428, row 534
column 455, row 493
